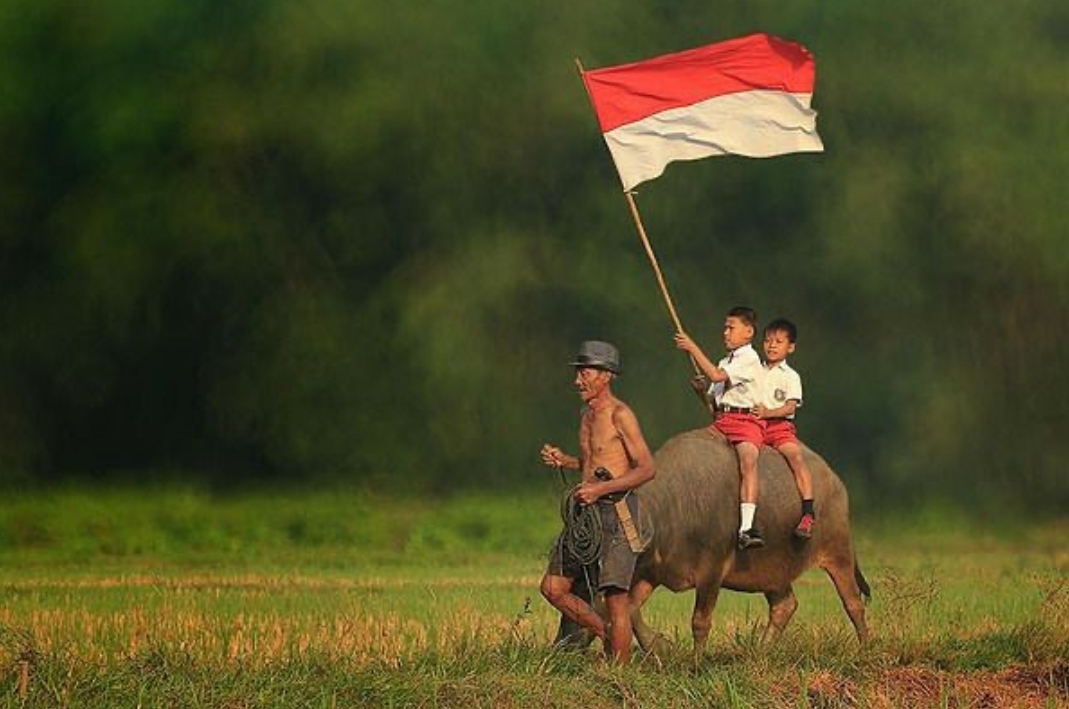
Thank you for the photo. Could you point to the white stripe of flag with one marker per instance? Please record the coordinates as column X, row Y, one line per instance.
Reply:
column 749, row 96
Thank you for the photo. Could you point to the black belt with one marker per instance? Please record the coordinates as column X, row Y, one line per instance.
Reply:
column 612, row 497
column 733, row 410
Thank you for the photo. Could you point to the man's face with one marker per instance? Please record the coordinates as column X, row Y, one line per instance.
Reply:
column 777, row 346
column 590, row 382
column 736, row 333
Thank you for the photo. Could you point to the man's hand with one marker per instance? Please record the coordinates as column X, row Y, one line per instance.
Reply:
column 553, row 456
column 760, row 411
column 588, row 493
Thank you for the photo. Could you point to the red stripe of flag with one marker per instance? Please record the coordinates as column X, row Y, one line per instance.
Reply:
column 630, row 92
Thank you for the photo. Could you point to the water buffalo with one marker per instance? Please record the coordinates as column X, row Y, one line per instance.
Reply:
column 694, row 506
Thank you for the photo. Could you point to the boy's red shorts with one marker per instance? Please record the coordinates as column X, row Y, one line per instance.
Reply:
column 741, row 427
column 780, row 431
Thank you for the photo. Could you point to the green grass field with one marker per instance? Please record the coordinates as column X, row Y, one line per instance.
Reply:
column 182, row 599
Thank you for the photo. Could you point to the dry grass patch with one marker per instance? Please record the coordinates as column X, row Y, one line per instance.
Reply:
column 1016, row 687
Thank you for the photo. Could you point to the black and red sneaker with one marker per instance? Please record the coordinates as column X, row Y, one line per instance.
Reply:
column 750, row 539
column 804, row 530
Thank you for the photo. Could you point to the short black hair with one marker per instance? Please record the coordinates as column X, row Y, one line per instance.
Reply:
column 785, row 326
column 747, row 315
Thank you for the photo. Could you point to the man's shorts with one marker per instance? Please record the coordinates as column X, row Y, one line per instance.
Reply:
column 616, row 562
column 741, row 427
column 780, row 431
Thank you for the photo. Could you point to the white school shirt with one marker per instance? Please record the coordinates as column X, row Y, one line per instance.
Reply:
column 742, row 388
column 780, row 385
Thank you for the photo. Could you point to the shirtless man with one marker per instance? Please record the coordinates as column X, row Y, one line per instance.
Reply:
column 613, row 460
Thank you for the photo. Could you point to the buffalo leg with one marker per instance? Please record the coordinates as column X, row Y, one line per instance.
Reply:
column 781, row 606
column 702, row 619
column 842, row 575
column 648, row 638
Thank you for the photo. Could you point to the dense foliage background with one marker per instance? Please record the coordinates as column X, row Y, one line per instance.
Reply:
column 357, row 242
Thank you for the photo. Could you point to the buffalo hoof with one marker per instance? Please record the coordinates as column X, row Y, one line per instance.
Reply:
column 659, row 646
column 578, row 640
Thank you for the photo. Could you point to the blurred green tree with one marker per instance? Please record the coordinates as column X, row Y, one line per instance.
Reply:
column 343, row 242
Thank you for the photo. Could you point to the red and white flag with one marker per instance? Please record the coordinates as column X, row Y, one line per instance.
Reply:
column 747, row 96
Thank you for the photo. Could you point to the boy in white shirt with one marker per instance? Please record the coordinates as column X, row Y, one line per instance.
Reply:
column 782, row 395
column 736, row 389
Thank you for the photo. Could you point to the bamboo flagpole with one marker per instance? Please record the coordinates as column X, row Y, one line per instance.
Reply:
column 642, row 233
column 653, row 260
column 746, row 96
column 633, row 205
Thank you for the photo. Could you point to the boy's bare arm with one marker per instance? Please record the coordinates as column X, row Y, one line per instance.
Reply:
column 685, row 343
column 788, row 409
column 700, row 384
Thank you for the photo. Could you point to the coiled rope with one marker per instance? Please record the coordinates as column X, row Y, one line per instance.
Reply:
column 582, row 529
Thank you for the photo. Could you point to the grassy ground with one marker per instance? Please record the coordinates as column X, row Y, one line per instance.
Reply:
column 180, row 599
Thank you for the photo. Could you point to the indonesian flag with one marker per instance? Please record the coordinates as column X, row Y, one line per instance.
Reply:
column 747, row 96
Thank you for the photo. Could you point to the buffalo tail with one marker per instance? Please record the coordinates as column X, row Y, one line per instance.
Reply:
column 861, row 582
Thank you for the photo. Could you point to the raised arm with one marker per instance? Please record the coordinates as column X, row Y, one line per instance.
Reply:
column 689, row 346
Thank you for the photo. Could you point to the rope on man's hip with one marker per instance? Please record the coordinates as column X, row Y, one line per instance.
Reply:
column 583, row 531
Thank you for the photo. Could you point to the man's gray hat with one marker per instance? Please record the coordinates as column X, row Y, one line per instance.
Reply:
column 598, row 355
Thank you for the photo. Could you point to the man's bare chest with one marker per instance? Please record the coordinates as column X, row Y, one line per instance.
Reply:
column 598, row 433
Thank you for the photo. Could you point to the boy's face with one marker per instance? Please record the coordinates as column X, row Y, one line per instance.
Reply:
column 777, row 346
column 736, row 333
